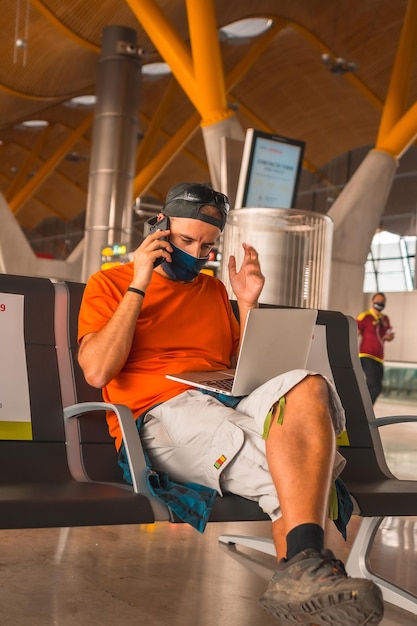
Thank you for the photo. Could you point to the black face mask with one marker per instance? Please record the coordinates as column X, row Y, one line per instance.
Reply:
column 379, row 306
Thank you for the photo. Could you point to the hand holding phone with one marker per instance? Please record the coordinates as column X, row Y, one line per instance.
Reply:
column 161, row 225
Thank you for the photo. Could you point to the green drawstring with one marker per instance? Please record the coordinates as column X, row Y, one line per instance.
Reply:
column 333, row 503
column 280, row 417
column 268, row 419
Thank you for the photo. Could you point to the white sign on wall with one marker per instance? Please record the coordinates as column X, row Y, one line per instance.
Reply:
column 15, row 416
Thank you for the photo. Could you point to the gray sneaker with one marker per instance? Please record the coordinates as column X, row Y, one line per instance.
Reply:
column 313, row 588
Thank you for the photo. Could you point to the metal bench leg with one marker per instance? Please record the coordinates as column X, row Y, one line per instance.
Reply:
column 358, row 565
column 261, row 544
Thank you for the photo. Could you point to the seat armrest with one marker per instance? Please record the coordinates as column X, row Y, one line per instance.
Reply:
column 392, row 419
column 133, row 445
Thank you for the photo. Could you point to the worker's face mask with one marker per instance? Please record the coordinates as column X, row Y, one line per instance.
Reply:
column 184, row 267
column 379, row 306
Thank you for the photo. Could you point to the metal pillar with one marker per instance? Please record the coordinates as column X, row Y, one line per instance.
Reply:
column 112, row 165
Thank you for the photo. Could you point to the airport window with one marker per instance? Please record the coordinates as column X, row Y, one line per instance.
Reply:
column 390, row 265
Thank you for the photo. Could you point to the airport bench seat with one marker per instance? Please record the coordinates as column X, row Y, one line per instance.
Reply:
column 36, row 486
column 66, row 473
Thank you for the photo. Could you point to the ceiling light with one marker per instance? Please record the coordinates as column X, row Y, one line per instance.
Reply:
column 81, row 101
column 153, row 71
column 21, row 43
column 245, row 29
column 33, row 124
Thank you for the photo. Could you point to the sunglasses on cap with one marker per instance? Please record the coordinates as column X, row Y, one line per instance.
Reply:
column 204, row 195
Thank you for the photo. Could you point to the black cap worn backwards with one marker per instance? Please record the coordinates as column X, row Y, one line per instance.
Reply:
column 187, row 200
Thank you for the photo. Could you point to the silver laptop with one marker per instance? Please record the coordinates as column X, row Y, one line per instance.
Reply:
column 274, row 341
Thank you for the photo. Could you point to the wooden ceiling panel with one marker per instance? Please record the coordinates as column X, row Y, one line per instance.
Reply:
column 304, row 90
column 33, row 213
column 69, row 203
column 287, row 89
column 50, row 65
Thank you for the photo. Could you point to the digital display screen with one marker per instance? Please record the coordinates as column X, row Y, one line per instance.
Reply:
column 270, row 171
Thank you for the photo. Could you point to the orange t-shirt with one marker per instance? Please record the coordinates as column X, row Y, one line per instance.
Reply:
column 181, row 327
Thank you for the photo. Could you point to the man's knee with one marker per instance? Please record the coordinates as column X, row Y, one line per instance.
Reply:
column 313, row 387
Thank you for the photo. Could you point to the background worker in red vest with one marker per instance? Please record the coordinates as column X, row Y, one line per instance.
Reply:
column 374, row 328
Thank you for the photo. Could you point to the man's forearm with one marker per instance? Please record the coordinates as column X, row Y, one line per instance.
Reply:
column 103, row 354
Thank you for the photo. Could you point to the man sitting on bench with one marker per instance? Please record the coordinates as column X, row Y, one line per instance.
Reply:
column 159, row 314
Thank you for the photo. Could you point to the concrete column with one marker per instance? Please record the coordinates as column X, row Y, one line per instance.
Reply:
column 17, row 256
column 112, row 164
column 212, row 135
column 356, row 216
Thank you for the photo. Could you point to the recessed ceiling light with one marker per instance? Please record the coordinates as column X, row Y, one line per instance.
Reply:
column 81, row 101
column 247, row 28
column 155, row 70
column 33, row 124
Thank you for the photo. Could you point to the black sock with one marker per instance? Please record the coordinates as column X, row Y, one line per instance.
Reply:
column 303, row 537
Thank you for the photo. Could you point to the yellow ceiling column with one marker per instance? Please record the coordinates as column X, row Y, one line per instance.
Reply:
column 168, row 43
column 402, row 135
column 208, row 66
column 360, row 205
column 158, row 164
column 218, row 120
column 389, row 140
column 200, row 74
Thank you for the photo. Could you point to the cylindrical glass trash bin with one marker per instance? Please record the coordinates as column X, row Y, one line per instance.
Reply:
column 294, row 250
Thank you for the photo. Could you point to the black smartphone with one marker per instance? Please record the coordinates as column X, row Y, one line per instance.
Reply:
column 161, row 225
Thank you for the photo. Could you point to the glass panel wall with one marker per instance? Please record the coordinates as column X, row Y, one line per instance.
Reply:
column 391, row 263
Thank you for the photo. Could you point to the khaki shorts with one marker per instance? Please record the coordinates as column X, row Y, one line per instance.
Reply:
column 195, row 438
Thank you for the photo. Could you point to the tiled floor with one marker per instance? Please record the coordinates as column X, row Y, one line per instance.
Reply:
column 169, row 575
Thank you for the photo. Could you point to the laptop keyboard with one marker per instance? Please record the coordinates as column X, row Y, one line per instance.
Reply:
column 225, row 385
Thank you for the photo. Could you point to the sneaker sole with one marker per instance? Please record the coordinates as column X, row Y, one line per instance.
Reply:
column 343, row 609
